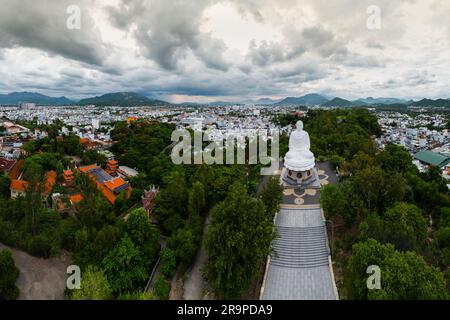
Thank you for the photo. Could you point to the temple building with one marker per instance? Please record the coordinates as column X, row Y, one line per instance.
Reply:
column 148, row 199
column 111, row 167
column 19, row 188
column 110, row 186
column 68, row 178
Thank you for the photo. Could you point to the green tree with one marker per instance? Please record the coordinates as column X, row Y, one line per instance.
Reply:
column 162, row 288
column 402, row 225
column 271, row 196
column 5, row 182
column 144, row 234
column 239, row 231
column 405, row 225
column 138, row 295
column 94, row 286
column 169, row 262
column 404, row 276
column 332, row 200
column 185, row 242
column 8, row 276
column 171, row 203
column 396, row 158
column 125, row 267
column 196, row 200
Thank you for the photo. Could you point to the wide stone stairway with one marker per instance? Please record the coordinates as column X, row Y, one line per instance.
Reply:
column 301, row 247
column 299, row 267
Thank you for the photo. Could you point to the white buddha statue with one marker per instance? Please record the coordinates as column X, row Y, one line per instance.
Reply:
column 299, row 157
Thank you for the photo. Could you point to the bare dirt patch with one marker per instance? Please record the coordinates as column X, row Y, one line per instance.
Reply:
column 40, row 279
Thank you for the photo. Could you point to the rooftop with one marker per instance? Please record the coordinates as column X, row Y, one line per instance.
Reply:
column 433, row 158
column 75, row 198
column 19, row 185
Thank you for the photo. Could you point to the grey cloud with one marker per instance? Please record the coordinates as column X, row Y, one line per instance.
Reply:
column 410, row 79
column 314, row 40
column 42, row 25
column 266, row 53
column 167, row 31
column 353, row 59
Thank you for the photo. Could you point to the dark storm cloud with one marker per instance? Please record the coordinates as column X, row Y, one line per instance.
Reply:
column 167, row 31
column 42, row 25
column 315, row 40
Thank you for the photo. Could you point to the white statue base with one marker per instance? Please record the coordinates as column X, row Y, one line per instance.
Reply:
column 300, row 179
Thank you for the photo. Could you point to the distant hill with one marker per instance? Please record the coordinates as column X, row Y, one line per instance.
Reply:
column 439, row 103
column 223, row 103
column 123, row 99
column 266, row 101
column 380, row 101
column 339, row 102
column 312, row 99
column 32, row 97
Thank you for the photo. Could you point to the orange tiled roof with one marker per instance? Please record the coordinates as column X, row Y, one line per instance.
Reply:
column 51, row 181
column 108, row 194
column 75, row 198
column 84, row 140
column 68, row 172
column 15, row 171
column 115, row 183
column 87, row 168
column 19, row 185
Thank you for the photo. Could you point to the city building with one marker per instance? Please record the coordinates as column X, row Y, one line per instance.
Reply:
column 432, row 159
column 96, row 123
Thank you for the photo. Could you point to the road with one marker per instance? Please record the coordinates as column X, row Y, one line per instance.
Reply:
column 194, row 284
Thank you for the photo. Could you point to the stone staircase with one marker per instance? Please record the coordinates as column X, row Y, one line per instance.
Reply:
column 299, row 265
column 300, row 247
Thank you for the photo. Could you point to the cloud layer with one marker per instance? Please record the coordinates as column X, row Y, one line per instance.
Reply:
column 205, row 50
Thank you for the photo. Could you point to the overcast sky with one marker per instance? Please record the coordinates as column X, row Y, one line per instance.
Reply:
column 205, row 50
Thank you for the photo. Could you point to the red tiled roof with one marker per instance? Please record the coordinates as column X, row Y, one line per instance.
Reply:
column 6, row 164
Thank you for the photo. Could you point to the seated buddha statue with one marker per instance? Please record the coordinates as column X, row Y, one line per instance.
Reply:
column 299, row 157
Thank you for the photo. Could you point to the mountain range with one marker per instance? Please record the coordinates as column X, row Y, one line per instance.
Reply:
column 312, row 99
column 129, row 99
column 124, row 99
column 32, row 97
